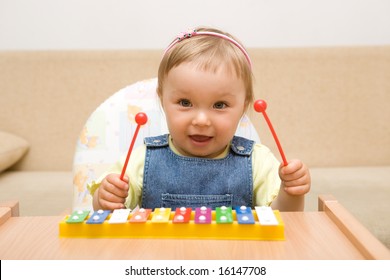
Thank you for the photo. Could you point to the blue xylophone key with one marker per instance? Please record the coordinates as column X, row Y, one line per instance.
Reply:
column 244, row 215
column 98, row 217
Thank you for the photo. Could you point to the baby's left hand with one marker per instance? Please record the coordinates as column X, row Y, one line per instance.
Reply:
column 295, row 177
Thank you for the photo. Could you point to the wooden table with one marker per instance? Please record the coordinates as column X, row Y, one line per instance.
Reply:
column 330, row 233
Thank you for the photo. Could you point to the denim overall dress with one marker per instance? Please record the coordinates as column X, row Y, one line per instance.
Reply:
column 172, row 181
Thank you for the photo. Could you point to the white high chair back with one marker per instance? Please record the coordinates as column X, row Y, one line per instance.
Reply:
column 107, row 134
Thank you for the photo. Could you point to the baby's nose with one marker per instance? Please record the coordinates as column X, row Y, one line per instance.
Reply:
column 201, row 119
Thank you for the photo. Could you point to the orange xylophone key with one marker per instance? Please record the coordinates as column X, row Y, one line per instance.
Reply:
column 140, row 216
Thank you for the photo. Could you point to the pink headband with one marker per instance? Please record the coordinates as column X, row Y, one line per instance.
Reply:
column 189, row 34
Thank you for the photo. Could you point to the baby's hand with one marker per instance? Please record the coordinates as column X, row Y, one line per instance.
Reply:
column 295, row 178
column 112, row 192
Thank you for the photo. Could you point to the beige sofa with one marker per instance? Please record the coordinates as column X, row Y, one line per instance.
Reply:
column 330, row 107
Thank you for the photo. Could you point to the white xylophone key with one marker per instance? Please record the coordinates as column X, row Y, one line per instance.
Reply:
column 266, row 216
column 119, row 216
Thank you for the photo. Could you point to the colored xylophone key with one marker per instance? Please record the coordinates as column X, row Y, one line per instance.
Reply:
column 140, row 216
column 182, row 215
column 98, row 217
column 202, row 215
column 77, row 216
column 244, row 215
column 266, row 216
column 119, row 216
column 161, row 215
column 223, row 215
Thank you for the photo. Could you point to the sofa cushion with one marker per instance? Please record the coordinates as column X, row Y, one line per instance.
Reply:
column 40, row 193
column 12, row 149
column 363, row 191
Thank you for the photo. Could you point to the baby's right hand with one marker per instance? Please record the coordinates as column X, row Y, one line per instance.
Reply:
column 112, row 192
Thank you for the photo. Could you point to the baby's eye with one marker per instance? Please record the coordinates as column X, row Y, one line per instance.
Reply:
column 220, row 105
column 185, row 103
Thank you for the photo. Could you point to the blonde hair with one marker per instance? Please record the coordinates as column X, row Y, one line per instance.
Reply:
column 208, row 52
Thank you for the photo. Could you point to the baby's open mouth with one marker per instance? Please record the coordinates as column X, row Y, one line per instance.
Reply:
column 200, row 138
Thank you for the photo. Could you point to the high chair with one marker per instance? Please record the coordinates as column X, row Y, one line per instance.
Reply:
column 107, row 134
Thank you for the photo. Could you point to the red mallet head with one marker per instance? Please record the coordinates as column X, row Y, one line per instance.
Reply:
column 260, row 106
column 141, row 118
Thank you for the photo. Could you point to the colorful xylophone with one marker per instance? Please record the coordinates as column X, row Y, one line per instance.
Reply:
column 241, row 223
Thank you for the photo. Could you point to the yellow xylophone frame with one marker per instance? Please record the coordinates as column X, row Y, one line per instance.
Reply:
column 190, row 230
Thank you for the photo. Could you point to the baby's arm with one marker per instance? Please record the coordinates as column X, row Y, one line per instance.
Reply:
column 111, row 193
column 295, row 184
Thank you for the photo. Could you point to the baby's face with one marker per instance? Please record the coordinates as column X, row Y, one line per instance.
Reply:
column 203, row 108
